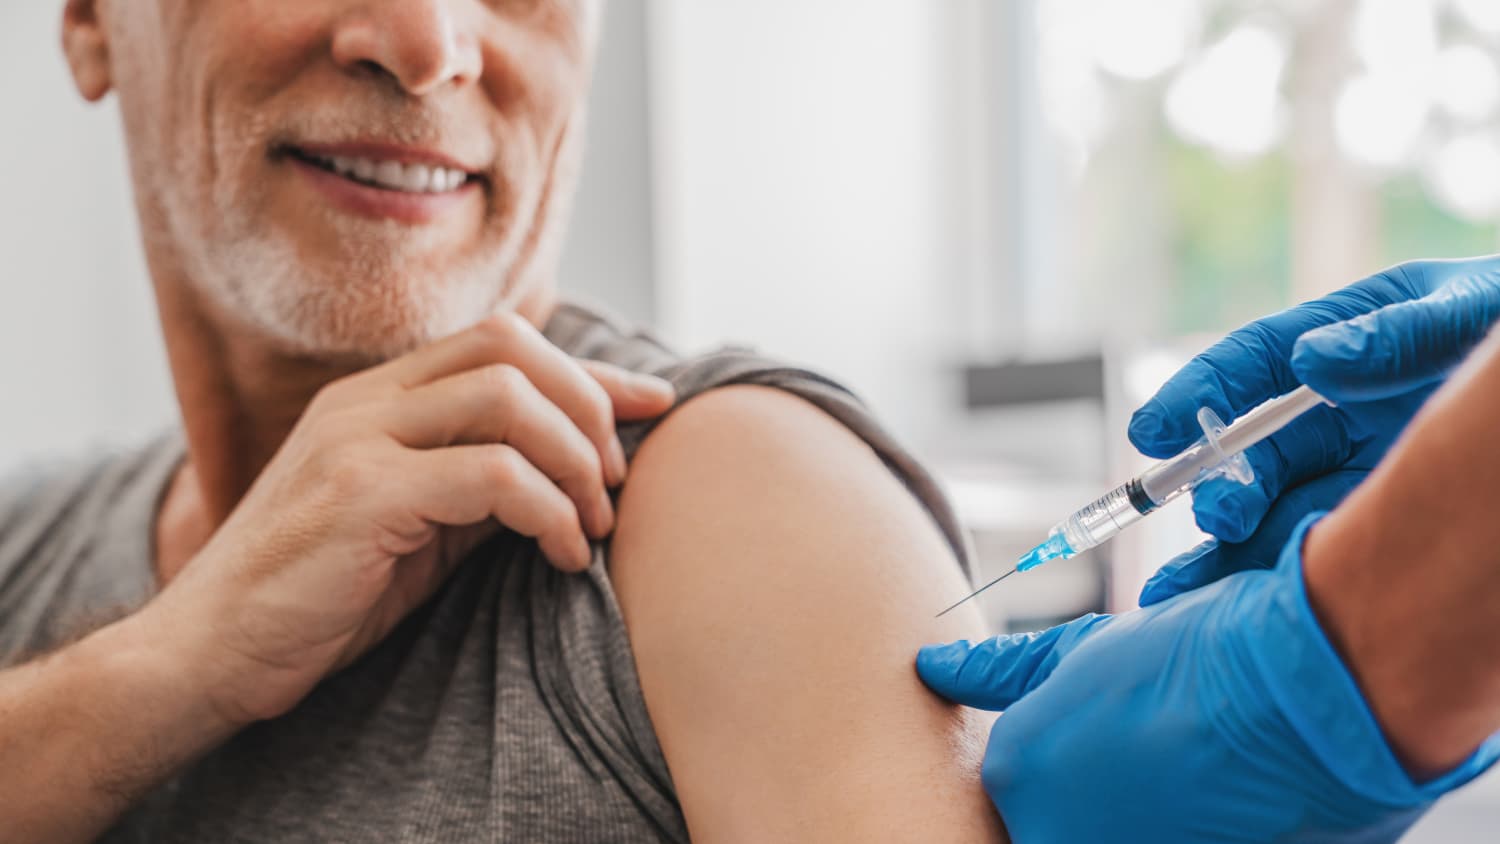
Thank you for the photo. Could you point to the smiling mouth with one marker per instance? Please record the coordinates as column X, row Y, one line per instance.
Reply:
column 387, row 174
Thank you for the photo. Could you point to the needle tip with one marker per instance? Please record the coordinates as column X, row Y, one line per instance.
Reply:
column 971, row 595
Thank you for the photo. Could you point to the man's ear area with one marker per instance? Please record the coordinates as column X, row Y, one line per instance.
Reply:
column 86, row 47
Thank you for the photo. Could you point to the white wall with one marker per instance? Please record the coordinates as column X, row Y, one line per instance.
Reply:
column 79, row 358
column 806, row 179
column 610, row 255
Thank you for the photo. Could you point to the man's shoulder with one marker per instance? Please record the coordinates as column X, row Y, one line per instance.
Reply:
column 75, row 541
column 41, row 493
column 752, row 497
column 776, row 578
column 758, row 454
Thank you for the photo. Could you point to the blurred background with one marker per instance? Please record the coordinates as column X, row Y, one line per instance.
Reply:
column 1002, row 222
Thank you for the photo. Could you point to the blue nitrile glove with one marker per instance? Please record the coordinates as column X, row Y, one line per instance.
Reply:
column 1377, row 348
column 1221, row 715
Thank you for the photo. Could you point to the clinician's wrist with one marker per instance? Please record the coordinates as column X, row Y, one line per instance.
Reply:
column 1386, row 619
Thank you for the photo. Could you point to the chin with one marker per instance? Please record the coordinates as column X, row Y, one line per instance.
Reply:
column 371, row 309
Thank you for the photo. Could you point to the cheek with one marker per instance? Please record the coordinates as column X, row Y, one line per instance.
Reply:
column 253, row 55
column 547, row 88
column 265, row 42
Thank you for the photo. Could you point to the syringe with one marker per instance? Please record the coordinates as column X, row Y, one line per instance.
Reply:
column 1219, row 454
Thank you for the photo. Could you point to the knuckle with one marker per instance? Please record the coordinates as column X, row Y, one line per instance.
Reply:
column 502, row 465
column 597, row 416
column 499, row 332
column 504, row 392
column 583, row 478
column 589, row 469
column 504, row 381
column 344, row 473
column 493, row 336
column 328, row 397
column 333, row 430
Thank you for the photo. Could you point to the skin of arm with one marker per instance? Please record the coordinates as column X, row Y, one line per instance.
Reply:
column 90, row 727
column 776, row 577
column 1405, row 576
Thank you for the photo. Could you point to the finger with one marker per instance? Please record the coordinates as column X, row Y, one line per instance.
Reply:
column 466, row 484
column 499, row 404
column 997, row 672
column 1200, row 566
column 1213, row 559
column 414, row 582
column 1250, row 365
column 508, row 338
column 1314, row 444
column 1400, row 347
column 635, row 395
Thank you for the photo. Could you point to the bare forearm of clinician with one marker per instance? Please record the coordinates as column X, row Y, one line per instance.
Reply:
column 1405, row 575
column 89, row 728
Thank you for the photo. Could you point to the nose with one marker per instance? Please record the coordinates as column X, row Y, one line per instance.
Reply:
column 418, row 43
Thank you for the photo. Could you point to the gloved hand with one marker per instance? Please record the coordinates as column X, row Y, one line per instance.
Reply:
column 1377, row 348
column 1222, row 715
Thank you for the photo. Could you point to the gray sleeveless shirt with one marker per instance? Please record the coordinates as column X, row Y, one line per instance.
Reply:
column 506, row 708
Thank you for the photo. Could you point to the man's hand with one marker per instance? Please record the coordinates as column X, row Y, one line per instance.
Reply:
column 384, row 484
column 1377, row 348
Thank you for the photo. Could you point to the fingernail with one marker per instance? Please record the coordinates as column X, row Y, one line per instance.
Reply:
column 651, row 386
column 583, row 554
column 606, row 511
column 595, row 519
column 617, row 463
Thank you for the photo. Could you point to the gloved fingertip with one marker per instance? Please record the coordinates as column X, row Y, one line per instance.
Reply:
column 1155, row 590
column 1325, row 357
column 1144, row 427
column 991, row 674
column 1156, row 433
column 938, row 665
column 1225, row 519
column 1164, row 586
column 1338, row 341
column 1178, row 575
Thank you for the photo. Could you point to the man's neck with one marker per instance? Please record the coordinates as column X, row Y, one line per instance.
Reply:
column 240, row 397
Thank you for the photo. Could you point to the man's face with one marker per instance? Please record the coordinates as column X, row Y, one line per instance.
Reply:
column 351, row 177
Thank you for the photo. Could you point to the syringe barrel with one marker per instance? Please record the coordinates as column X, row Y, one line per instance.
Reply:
column 1174, row 476
column 1102, row 519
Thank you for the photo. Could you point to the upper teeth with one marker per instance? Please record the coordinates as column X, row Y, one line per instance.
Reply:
column 393, row 175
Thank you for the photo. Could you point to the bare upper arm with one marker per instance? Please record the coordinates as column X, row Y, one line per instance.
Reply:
column 776, row 581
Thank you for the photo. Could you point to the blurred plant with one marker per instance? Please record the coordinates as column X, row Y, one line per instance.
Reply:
column 1292, row 139
column 1419, row 94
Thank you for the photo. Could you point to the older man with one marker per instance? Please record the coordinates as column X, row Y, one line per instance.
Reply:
column 363, row 593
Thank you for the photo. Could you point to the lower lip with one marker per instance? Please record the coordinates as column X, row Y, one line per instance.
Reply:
column 381, row 204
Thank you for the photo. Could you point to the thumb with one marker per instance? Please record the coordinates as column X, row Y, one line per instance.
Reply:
column 998, row 672
column 1400, row 347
